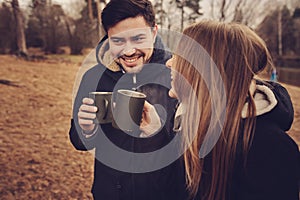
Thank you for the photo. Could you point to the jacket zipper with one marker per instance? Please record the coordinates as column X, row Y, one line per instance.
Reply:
column 134, row 82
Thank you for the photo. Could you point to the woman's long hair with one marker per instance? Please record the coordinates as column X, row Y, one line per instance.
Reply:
column 238, row 54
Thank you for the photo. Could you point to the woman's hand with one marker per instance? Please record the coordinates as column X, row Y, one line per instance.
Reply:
column 150, row 123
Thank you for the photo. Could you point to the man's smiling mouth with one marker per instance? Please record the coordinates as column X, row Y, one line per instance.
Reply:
column 131, row 59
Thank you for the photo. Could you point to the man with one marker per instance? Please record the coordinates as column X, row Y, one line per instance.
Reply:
column 132, row 56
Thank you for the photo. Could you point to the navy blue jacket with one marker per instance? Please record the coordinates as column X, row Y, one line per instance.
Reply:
column 110, row 181
column 272, row 170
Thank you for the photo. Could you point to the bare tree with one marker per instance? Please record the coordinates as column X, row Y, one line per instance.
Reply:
column 161, row 14
column 90, row 9
column 21, row 40
column 46, row 26
column 180, row 5
column 94, row 12
column 243, row 11
column 8, row 42
column 223, row 10
column 84, row 33
column 100, row 29
column 237, row 12
column 189, row 11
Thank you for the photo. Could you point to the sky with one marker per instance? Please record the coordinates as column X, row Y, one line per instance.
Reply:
column 64, row 3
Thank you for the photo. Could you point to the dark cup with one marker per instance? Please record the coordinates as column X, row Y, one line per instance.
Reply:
column 128, row 109
column 103, row 103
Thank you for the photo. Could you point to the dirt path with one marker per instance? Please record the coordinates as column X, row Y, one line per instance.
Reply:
column 37, row 159
column 294, row 132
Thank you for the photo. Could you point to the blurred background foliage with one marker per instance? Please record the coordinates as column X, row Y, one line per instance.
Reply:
column 57, row 27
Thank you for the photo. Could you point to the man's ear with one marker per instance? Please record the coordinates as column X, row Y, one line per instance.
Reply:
column 154, row 32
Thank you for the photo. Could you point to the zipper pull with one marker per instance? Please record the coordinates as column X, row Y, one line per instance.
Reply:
column 134, row 82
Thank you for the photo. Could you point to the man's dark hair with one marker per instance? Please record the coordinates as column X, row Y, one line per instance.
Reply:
column 118, row 10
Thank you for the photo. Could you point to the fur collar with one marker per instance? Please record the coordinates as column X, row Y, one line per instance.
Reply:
column 264, row 100
column 107, row 59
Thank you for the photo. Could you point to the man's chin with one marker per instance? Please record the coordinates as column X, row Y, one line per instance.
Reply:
column 133, row 69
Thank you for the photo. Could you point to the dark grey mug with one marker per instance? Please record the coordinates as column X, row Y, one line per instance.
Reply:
column 128, row 109
column 103, row 103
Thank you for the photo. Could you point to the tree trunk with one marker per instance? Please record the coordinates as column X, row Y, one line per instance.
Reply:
column 279, row 31
column 182, row 16
column 21, row 40
column 101, row 32
column 162, row 13
column 222, row 10
column 90, row 10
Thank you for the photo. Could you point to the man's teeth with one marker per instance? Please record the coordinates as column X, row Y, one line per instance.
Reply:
column 131, row 60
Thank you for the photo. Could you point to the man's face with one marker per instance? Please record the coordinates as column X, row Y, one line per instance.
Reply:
column 131, row 43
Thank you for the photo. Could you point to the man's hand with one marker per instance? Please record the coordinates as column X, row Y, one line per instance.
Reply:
column 87, row 114
column 150, row 120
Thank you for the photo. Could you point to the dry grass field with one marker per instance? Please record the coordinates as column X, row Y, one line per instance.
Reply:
column 37, row 159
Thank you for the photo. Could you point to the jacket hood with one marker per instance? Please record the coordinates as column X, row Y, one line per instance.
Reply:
column 273, row 102
column 160, row 54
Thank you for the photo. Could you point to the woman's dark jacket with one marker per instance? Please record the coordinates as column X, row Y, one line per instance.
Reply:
column 273, row 163
column 272, row 169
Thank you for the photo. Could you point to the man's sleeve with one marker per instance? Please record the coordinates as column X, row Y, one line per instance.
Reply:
column 88, row 83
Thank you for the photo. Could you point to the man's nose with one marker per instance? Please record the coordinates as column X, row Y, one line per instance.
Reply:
column 129, row 49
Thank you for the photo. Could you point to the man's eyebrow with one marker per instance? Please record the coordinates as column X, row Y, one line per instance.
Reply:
column 132, row 37
column 138, row 35
column 116, row 38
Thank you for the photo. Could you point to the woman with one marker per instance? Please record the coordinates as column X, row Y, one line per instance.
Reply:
column 233, row 125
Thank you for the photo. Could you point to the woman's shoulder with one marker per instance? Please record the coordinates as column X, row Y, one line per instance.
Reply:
column 273, row 149
column 271, row 131
column 271, row 136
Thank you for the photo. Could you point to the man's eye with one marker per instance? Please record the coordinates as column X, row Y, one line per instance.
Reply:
column 138, row 39
column 117, row 41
